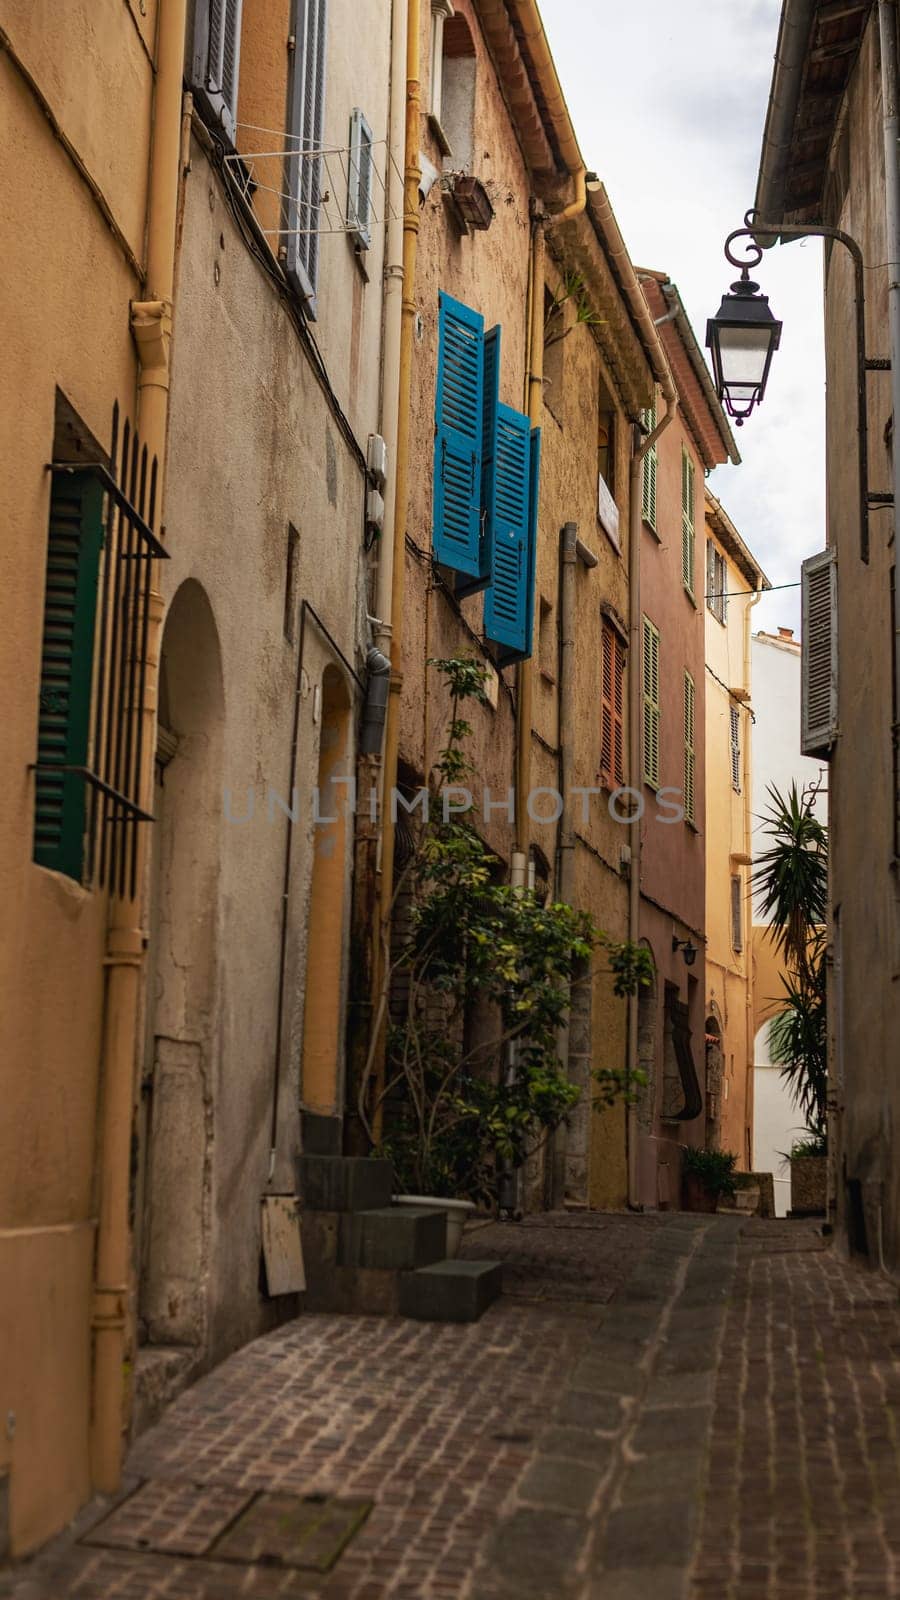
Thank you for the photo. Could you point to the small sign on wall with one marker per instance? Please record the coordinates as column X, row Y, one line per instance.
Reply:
column 607, row 511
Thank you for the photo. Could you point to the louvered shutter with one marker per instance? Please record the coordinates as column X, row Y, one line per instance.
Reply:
column 459, row 438
column 607, row 713
column 359, row 187
column 650, row 670
column 216, row 59
column 687, row 521
column 74, row 543
column 304, row 165
column 735, row 720
column 508, row 616
column 737, row 920
column 689, row 752
column 819, row 657
column 649, row 471
column 712, row 598
column 618, row 710
column 489, row 415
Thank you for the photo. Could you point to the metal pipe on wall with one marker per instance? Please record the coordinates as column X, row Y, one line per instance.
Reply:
column 890, row 94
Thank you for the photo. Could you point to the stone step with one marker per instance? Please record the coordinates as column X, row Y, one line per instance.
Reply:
column 450, row 1291
column 393, row 1238
column 343, row 1183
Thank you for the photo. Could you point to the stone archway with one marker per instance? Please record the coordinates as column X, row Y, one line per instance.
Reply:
column 321, row 1084
column 175, row 1110
column 714, row 1067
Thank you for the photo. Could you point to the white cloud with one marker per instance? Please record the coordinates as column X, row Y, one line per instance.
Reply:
column 669, row 98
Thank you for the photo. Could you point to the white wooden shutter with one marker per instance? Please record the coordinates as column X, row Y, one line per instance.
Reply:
column 819, row 657
column 216, row 59
column 307, row 121
column 359, row 196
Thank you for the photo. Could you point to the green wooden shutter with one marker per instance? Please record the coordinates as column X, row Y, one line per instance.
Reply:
column 649, row 471
column 75, row 538
column 687, row 521
column 689, row 750
column 651, row 705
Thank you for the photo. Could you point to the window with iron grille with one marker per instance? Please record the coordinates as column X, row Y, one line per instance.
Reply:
column 649, row 470
column 689, row 750
column 737, row 914
column 100, row 550
column 612, row 741
column 687, row 521
column 716, row 581
column 650, row 730
column 735, row 719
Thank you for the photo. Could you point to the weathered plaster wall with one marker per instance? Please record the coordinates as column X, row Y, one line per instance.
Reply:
column 64, row 300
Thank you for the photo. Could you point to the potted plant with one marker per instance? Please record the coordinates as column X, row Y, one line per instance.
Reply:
column 477, row 984
column 706, row 1175
column 809, row 1176
column 792, row 878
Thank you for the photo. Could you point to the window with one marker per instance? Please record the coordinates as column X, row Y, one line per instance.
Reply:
column 306, row 118
column 649, row 470
column 651, row 705
column 457, row 114
column 216, row 60
column 737, row 918
column 555, row 329
column 819, row 658
column 359, row 181
column 735, row 719
column 486, row 476
column 612, row 741
column 687, row 522
column 689, row 751
column 716, row 581
column 607, row 510
column 290, row 583
column 548, row 641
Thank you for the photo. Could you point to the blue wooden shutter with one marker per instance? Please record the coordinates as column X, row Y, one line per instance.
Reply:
column 74, row 542
column 304, row 166
column 216, row 58
column 459, row 438
column 490, row 405
column 509, row 602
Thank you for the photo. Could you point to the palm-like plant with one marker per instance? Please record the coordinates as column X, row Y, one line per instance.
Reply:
column 791, row 880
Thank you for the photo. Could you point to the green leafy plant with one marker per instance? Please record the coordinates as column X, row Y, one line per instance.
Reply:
column 572, row 289
column 477, row 986
column 808, row 1147
column 792, row 882
column 713, row 1168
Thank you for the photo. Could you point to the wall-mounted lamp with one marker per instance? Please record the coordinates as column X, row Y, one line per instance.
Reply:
column 742, row 337
column 688, row 950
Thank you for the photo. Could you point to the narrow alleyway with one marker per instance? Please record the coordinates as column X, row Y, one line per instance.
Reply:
column 659, row 1408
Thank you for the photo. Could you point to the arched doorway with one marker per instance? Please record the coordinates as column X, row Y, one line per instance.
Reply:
column 321, row 1083
column 714, row 1061
column 174, row 1112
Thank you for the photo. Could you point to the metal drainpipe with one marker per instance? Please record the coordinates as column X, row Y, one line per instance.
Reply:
column 151, row 322
column 635, row 531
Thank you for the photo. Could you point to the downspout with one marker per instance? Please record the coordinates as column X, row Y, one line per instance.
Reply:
column 151, row 322
column 393, row 317
column 635, row 531
column 412, row 176
column 749, row 956
column 571, row 551
column 887, row 19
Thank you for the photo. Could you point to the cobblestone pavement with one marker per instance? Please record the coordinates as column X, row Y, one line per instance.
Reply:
column 713, row 1417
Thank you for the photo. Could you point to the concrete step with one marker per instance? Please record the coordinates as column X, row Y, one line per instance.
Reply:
column 450, row 1291
column 393, row 1238
column 343, row 1183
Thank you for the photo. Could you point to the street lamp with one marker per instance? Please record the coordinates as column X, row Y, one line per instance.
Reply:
column 687, row 948
column 742, row 338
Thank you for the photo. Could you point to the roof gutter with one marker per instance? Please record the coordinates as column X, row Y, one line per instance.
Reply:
column 604, row 220
column 787, row 81
column 704, row 377
column 529, row 21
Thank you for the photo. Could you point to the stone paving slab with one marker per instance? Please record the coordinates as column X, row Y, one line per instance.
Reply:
column 717, row 1419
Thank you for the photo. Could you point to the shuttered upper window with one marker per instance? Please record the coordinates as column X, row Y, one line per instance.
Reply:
column 74, row 543
column 690, row 759
column 359, row 196
column 687, row 521
column 612, row 742
column 459, row 441
column 735, row 731
column 716, row 581
column 649, row 470
column 509, row 599
column 216, row 59
column 650, row 731
column 819, row 660
column 305, row 131
column 737, row 914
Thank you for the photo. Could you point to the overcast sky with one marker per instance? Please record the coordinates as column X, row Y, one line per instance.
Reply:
column 669, row 99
